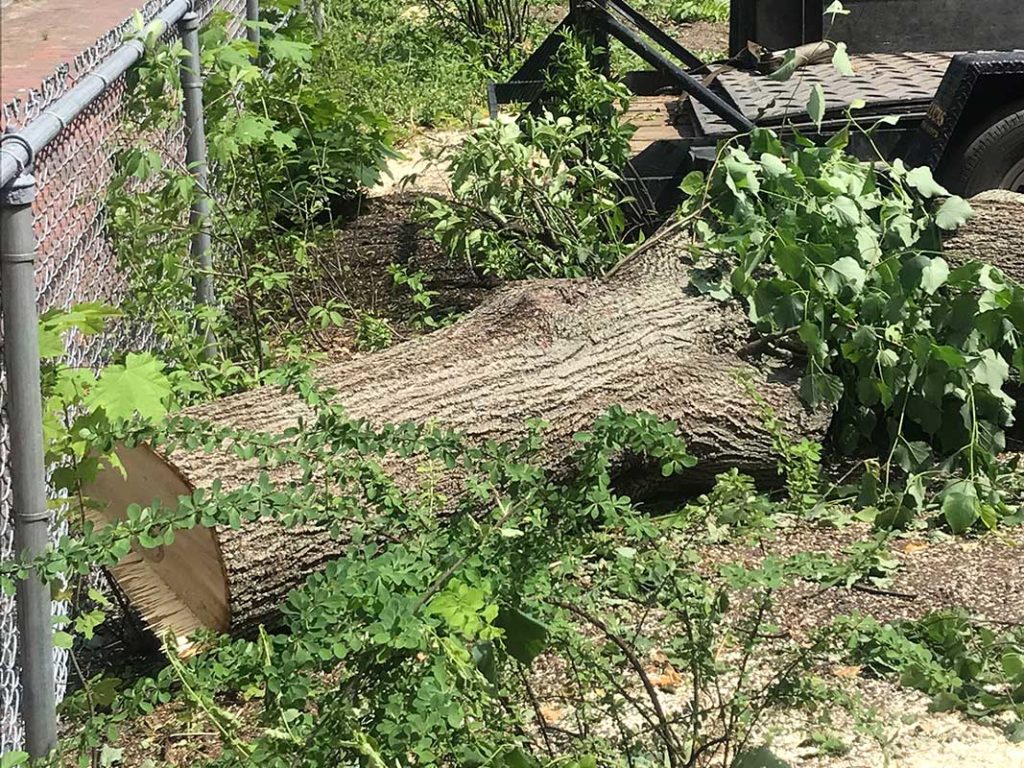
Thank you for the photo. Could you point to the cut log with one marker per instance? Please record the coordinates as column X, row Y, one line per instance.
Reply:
column 561, row 350
column 995, row 234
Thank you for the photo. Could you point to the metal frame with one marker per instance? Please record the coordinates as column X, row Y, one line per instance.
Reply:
column 195, row 160
column 691, row 85
column 604, row 19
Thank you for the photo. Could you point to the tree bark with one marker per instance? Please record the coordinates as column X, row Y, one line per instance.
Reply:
column 561, row 350
column 995, row 234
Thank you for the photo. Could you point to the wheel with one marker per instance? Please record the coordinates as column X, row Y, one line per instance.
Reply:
column 993, row 156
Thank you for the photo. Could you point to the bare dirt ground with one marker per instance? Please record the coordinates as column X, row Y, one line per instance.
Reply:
column 935, row 572
column 702, row 36
column 422, row 167
column 897, row 729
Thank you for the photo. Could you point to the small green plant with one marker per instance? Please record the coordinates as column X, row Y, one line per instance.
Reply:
column 499, row 26
column 79, row 404
column 373, row 333
column 963, row 664
column 684, row 11
column 286, row 152
column 425, row 315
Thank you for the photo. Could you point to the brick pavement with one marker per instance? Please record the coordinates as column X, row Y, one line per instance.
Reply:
column 36, row 36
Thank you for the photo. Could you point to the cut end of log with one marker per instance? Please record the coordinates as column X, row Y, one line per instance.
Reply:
column 179, row 588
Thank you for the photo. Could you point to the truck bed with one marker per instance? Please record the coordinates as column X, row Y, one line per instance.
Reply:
column 887, row 82
column 669, row 128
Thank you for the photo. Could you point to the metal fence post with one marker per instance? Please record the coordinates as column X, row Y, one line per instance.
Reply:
column 252, row 32
column 28, row 474
column 195, row 159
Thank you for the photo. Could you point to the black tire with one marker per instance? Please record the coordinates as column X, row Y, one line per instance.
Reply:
column 992, row 157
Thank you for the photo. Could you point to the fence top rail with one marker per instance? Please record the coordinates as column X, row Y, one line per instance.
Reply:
column 19, row 148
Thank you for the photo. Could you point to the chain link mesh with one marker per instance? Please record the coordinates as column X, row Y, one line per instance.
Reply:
column 76, row 263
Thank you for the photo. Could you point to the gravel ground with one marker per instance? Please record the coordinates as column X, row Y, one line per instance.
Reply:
column 913, row 737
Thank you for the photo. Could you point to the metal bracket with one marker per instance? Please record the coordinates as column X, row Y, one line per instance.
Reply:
column 21, row 191
column 687, row 82
column 21, row 141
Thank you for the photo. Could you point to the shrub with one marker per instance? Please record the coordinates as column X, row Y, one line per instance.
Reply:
column 841, row 262
column 500, row 26
column 543, row 196
column 286, row 151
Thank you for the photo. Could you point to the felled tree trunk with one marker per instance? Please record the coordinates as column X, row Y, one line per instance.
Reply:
column 561, row 350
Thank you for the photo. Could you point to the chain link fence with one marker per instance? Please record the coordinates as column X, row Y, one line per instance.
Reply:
column 76, row 263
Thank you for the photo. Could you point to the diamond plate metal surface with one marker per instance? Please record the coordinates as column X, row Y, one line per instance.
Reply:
column 879, row 79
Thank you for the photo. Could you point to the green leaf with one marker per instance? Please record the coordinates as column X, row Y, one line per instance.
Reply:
column 110, row 756
column 991, row 370
column 12, row 759
column 953, row 213
column 517, row 758
column 87, row 318
column 867, row 245
column 934, row 275
column 525, row 637
column 888, row 358
column 283, row 49
column 922, row 180
column 818, row 387
column 252, row 129
column 911, row 456
column 816, row 105
column 483, row 658
column 790, row 259
column 841, row 61
column 693, row 183
column 960, row 505
column 945, row 701
column 851, row 272
column 848, row 211
column 1013, row 666
column 1015, row 732
column 912, row 271
column 762, row 757
column 63, row 640
column 137, row 387
column 949, row 355
column 773, row 166
column 786, row 69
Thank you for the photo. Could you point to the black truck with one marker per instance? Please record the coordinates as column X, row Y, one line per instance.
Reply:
column 951, row 71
